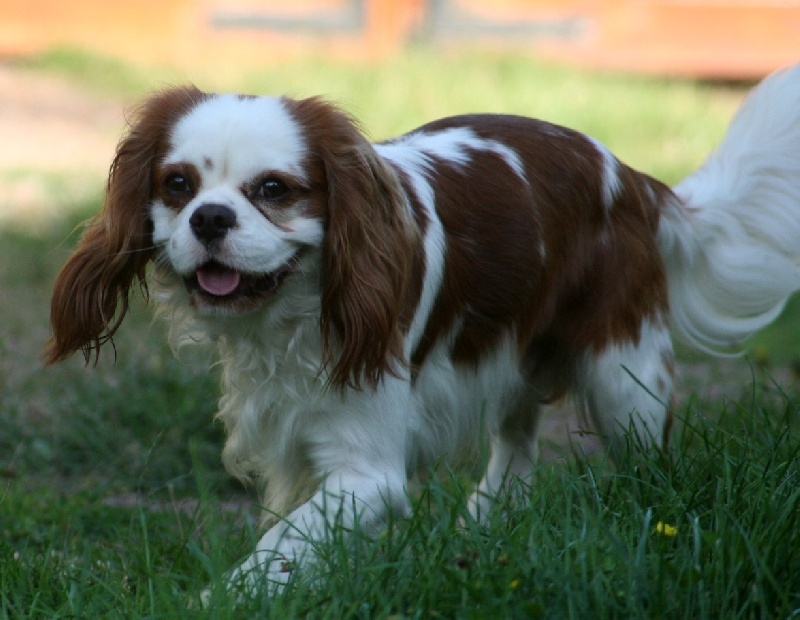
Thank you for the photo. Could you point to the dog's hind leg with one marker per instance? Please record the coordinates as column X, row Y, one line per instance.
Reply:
column 629, row 388
column 514, row 451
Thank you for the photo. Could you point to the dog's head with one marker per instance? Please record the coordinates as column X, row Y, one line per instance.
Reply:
column 233, row 198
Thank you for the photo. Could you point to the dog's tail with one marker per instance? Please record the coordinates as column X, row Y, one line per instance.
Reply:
column 732, row 242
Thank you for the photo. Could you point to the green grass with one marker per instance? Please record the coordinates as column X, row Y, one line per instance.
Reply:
column 582, row 541
column 113, row 502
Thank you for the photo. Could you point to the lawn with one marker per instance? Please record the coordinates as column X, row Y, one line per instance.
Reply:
column 113, row 502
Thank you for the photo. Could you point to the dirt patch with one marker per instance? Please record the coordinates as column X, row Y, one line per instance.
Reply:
column 49, row 124
column 55, row 138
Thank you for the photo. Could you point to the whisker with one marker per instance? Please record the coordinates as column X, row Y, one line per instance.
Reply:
column 84, row 226
column 161, row 260
column 149, row 248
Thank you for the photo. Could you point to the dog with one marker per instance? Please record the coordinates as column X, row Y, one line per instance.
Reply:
column 378, row 307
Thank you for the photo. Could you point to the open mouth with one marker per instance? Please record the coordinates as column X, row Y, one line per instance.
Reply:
column 216, row 282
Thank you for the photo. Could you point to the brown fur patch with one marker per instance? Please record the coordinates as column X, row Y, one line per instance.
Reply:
column 545, row 258
column 90, row 295
column 370, row 249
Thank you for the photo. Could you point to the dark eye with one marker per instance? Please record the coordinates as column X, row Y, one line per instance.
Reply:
column 272, row 189
column 177, row 185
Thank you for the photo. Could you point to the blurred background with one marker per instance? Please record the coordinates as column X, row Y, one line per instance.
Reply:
column 710, row 38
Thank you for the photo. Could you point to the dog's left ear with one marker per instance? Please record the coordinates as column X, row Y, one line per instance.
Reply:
column 90, row 295
column 368, row 252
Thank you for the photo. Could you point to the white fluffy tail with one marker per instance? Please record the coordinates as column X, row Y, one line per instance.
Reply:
column 732, row 245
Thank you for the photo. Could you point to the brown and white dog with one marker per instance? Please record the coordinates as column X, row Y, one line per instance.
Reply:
column 378, row 307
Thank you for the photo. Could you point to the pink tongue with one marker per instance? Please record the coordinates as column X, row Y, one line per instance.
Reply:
column 219, row 281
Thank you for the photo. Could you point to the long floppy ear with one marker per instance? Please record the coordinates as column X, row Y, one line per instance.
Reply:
column 90, row 295
column 368, row 254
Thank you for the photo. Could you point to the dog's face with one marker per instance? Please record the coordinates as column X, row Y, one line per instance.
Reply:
column 233, row 198
column 238, row 205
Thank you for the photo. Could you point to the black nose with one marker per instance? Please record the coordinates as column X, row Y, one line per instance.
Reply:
column 211, row 222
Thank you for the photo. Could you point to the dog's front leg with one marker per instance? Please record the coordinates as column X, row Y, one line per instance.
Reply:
column 358, row 449
column 345, row 500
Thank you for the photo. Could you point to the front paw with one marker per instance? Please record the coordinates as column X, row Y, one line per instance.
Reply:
column 262, row 573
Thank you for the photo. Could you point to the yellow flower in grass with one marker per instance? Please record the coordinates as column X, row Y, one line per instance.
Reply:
column 514, row 584
column 666, row 529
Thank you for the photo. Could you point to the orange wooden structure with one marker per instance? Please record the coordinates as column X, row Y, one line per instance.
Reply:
column 737, row 39
column 707, row 38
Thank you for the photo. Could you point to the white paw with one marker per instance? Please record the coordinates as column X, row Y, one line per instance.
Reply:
column 262, row 573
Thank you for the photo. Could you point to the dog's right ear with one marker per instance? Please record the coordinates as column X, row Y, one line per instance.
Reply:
column 90, row 295
column 369, row 253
